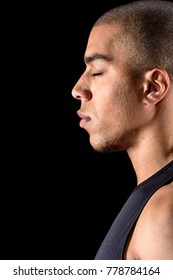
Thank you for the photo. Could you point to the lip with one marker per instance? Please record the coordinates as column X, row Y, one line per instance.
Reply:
column 84, row 118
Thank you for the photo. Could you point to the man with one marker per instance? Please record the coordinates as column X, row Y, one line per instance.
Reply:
column 126, row 95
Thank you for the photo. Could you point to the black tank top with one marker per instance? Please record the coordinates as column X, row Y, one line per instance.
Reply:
column 113, row 245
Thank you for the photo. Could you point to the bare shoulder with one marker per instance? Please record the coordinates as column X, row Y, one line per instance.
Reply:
column 153, row 234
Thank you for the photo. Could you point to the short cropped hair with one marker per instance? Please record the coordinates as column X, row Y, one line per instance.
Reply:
column 145, row 29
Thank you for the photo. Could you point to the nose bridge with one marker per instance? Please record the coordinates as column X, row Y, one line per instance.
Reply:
column 81, row 88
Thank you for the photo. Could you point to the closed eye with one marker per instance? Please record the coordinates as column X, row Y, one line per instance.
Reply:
column 97, row 74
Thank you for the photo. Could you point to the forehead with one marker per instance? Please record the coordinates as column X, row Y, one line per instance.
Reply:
column 101, row 40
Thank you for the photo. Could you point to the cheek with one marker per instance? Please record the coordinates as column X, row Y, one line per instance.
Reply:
column 110, row 114
column 115, row 103
column 122, row 107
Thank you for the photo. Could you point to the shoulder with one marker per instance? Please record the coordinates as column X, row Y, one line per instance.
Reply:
column 154, row 229
column 161, row 204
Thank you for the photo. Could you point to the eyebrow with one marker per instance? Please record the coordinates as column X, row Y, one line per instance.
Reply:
column 89, row 59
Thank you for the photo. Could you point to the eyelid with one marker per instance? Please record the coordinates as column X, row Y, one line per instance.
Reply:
column 97, row 73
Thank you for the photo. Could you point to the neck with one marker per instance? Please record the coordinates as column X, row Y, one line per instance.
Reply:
column 152, row 149
column 150, row 156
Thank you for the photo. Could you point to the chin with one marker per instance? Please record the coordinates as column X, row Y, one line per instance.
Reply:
column 107, row 147
column 101, row 147
column 96, row 145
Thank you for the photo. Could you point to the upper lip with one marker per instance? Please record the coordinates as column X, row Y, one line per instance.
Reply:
column 82, row 115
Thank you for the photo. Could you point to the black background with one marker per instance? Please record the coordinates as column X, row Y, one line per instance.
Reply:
column 58, row 196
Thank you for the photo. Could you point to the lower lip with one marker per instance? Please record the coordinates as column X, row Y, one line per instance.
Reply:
column 83, row 122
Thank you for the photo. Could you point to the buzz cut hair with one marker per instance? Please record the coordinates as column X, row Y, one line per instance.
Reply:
column 145, row 31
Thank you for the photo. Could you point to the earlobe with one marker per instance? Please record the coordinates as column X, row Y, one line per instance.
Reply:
column 156, row 85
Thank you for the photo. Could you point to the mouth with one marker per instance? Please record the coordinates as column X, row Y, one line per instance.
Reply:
column 84, row 119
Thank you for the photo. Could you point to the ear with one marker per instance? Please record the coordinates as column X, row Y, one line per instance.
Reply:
column 156, row 85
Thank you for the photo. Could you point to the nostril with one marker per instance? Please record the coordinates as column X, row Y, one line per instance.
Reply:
column 78, row 97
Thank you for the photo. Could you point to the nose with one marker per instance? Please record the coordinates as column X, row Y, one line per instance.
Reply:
column 81, row 90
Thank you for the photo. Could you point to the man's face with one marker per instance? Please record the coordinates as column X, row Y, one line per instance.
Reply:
column 110, row 105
